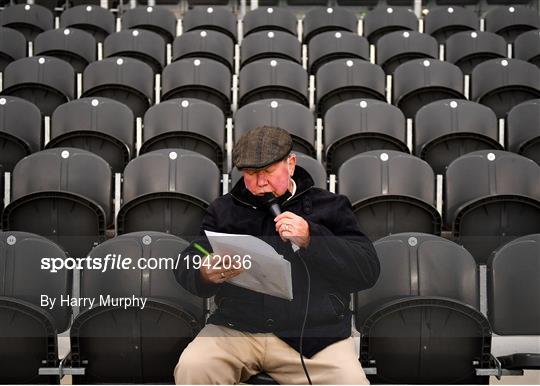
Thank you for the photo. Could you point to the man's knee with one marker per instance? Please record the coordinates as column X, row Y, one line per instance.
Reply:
column 194, row 367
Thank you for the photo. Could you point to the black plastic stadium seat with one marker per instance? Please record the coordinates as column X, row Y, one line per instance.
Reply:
column 391, row 192
column 345, row 79
column 501, row 84
column 12, row 46
column 146, row 46
column 511, row 21
column 443, row 22
column 20, row 131
column 294, row 117
column 422, row 81
column 31, row 330
column 45, row 81
column 135, row 345
column 76, row 47
column 273, row 78
column 269, row 19
column 202, row 78
column 448, row 129
column 523, row 130
column 21, row 268
column 399, row 47
column 512, row 309
column 73, row 187
column 527, row 47
column 127, row 80
column 191, row 124
column 321, row 19
column 329, row 46
column 98, row 21
column 211, row 18
column 270, row 45
column 359, row 125
column 102, row 126
column 420, row 322
column 468, row 49
column 383, row 20
column 205, row 44
column 156, row 19
column 28, row 19
column 492, row 197
column 168, row 191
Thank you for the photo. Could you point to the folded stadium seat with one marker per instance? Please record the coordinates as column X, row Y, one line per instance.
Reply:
column 20, row 131
column 443, row 22
column 403, row 2
column 491, row 198
column 191, row 124
column 28, row 19
column 447, row 129
column 202, row 78
column 508, row 2
column 205, row 44
column 513, row 292
column 527, row 47
column 168, row 191
column 146, row 46
column 155, row 19
column 102, row 126
column 294, row 117
column 98, row 21
column 345, row 79
column 270, row 45
column 269, row 19
column 12, row 46
column 134, row 345
column 313, row 167
column 273, row 78
column 127, row 80
column 420, row 322
column 523, row 130
column 399, row 47
column 359, row 125
column 45, row 81
column 63, row 194
column 2, row 184
column 457, row 2
column 210, row 18
column 319, row 20
column 383, row 20
column 358, row 2
column 25, row 278
column 29, row 342
column 512, row 21
column 468, row 49
column 76, row 47
column 328, row 46
column 391, row 192
column 502, row 84
column 422, row 81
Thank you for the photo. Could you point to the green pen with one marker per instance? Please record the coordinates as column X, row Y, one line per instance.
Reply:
column 201, row 249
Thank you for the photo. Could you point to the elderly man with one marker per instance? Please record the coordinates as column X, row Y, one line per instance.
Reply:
column 251, row 332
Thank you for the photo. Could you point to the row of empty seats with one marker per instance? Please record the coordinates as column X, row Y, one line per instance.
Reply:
column 421, row 274
column 490, row 196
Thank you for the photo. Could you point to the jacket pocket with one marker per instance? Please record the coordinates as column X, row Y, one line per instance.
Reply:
column 338, row 305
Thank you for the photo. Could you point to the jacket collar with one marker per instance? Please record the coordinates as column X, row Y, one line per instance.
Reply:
column 303, row 181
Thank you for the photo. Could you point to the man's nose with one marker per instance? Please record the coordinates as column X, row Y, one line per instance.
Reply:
column 261, row 179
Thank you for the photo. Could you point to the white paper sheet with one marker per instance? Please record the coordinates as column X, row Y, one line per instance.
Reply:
column 269, row 273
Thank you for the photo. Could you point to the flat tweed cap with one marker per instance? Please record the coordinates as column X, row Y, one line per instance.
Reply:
column 260, row 147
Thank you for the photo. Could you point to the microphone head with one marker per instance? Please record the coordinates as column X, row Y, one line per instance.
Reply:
column 271, row 202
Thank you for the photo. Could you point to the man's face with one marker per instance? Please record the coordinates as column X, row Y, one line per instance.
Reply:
column 272, row 179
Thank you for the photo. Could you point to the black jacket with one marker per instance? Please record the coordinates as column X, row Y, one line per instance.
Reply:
column 340, row 259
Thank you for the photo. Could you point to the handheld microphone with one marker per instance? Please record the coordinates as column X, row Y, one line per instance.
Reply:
column 271, row 202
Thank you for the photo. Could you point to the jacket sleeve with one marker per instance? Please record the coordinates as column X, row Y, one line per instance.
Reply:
column 190, row 278
column 341, row 250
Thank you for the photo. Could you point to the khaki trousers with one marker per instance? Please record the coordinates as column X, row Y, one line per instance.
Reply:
column 220, row 355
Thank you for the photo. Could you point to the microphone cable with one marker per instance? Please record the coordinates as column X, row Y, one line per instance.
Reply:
column 305, row 319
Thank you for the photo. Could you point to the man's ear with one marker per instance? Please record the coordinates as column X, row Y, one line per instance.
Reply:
column 291, row 163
